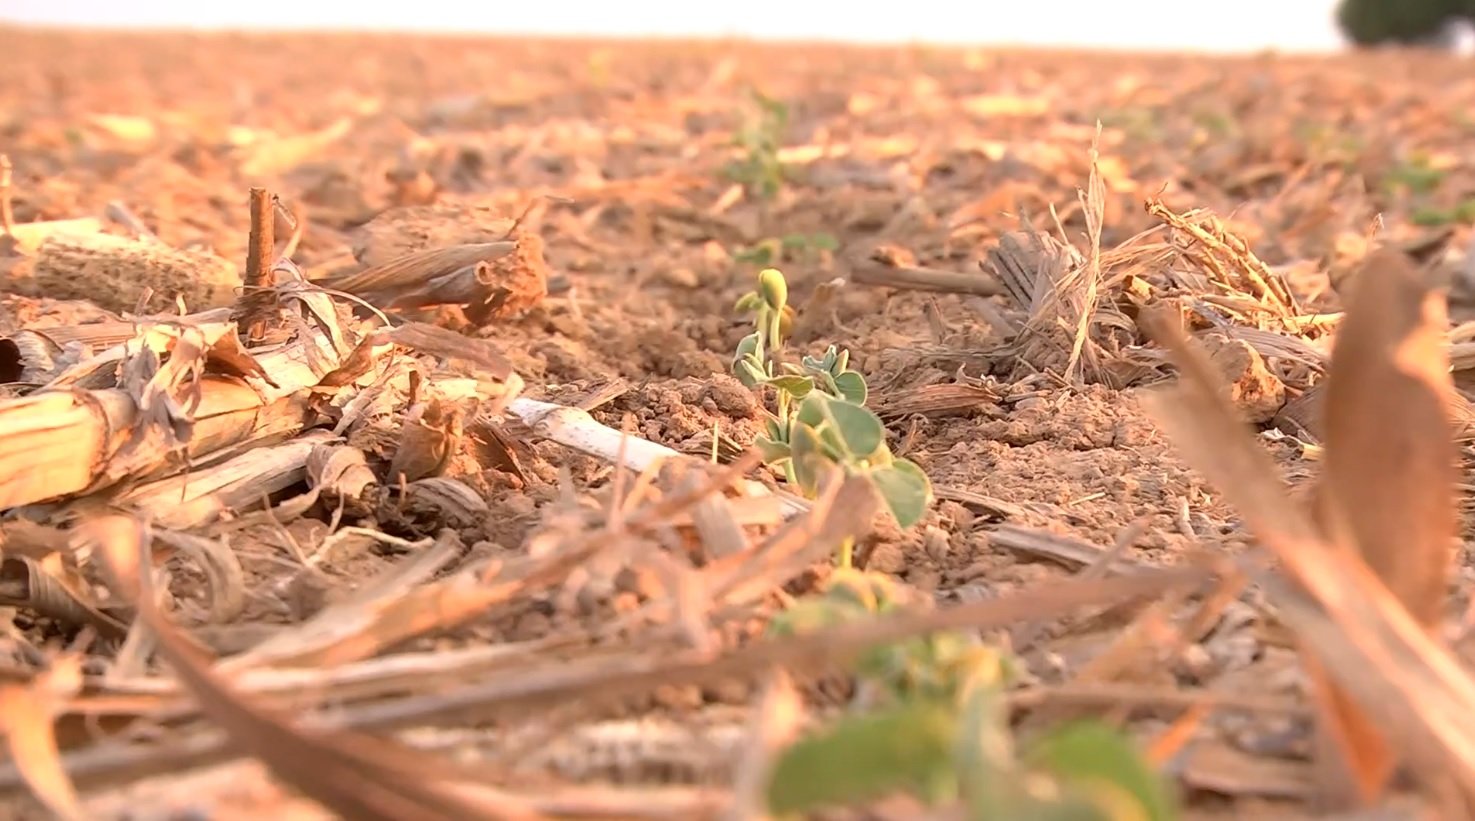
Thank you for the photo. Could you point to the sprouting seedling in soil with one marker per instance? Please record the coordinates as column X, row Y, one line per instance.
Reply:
column 820, row 418
column 940, row 730
column 759, row 170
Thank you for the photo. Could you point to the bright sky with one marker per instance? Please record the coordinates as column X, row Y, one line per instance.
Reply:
column 1245, row 25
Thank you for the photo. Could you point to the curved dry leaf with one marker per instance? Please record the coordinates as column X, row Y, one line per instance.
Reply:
column 24, row 582
column 1388, row 490
column 293, row 288
column 339, row 470
column 23, row 537
column 222, row 569
column 1378, row 651
column 226, row 356
column 454, row 502
column 427, row 444
column 404, row 275
column 358, row 362
column 495, row 448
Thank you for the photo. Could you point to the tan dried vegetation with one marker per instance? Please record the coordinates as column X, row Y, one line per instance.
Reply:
column 359, row 394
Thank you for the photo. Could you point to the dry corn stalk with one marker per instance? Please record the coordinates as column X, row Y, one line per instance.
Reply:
column 29, row 236
column 117, row 273
column 206, row 396
column 197, row 498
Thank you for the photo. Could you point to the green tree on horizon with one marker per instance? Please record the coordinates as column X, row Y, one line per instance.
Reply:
column 1402, row 22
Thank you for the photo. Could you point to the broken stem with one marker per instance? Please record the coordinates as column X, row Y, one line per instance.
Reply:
column 925, row 279
column 263, row 241
column 259, row 279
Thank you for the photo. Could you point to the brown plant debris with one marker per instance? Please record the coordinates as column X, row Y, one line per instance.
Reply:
column 369, row 443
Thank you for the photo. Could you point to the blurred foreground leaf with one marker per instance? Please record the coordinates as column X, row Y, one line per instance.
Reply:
column 908, row 747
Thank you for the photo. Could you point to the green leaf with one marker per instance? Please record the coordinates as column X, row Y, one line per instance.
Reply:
column 871, row 592
column 812, row 410
column 757, row 255
column 748, row 303
column 906, row 490
column 1099, row 763
column 796, row 386
column 774, row 288
column 808, row 456
column 842, row 361
column 827, row 382
column 809, row 615
column 828, row 361
column 748, row 373
column 776, row 430
column 852, row 387
column 905, row 747
column 750, row 345
column 861, row 432
column 774, row 451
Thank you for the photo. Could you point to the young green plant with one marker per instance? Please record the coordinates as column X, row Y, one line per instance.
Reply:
column 820, row 419
column 759, row 170
column 940, row 730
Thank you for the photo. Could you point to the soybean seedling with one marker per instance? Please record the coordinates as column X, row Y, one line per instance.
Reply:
column 759, row 170
column 820, row 419
column 940, row 730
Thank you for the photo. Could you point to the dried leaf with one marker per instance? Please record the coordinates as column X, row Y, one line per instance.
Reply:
column 356, row 776
column 1367, row 640
column 1388, row 488
column 427, row 444
column 226, row 356
column 437, row 341
column 28, row 714
column 358, row 362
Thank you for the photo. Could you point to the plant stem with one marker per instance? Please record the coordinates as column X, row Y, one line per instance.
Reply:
column 847, row 553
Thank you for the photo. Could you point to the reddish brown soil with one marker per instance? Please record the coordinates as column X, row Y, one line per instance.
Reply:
column 618, row 149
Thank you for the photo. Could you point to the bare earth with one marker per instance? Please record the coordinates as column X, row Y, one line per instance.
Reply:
column 613, row 155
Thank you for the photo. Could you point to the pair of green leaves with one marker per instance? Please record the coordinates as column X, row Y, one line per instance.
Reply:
column 832, row 428
column 775, row 316
column 943, row 734
column 849, row 385
column 1084, row 772
column 828, row 430
column 830, row 424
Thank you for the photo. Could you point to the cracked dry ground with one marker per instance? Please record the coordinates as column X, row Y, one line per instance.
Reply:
column 619, row 151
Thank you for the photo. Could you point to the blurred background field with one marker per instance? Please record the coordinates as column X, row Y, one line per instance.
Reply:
column 444, row 372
